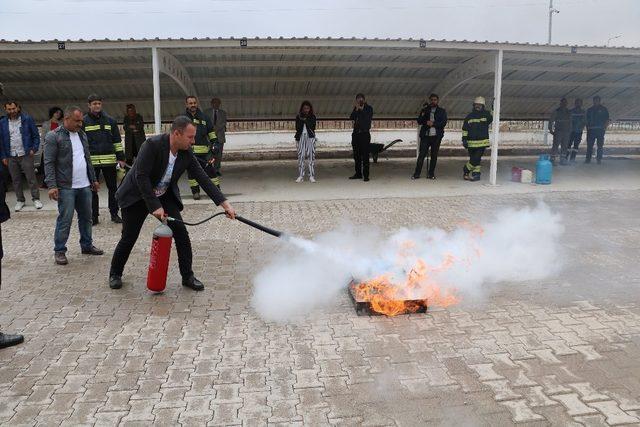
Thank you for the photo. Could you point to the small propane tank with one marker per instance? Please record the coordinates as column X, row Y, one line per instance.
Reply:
column 159, row 258
column 544, row 169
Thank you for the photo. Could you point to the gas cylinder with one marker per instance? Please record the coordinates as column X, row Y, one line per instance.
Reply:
column 544, row 169
column 159, row 258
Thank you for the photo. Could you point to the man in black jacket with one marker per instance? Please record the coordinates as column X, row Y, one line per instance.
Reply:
column 362, row 115
column 433, row 119
column 151, row 187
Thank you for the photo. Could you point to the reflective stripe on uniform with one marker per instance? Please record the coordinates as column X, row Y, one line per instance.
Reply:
column 193, row 183
column 107, row 127
column 200, row 149
column 117, row 146
column 480, row 120
column 212, row 135
column 103, row 159
column 91, row 128
column 465, row 133
column 478, row 143
column 216, row 181
column 199, row 122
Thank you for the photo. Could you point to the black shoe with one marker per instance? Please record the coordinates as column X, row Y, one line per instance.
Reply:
column 115, row 282
column 193, row 283
column 7, row 340
column 415, row 177
column 92, row 250
column 431, row 177
column 366, row 179
column 196, row 196
column 599, row 161
column 356, row 176
column 95, row 221
column 61, row 258
column 116, row 218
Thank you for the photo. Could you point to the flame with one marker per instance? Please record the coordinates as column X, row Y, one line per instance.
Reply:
column 417, row 290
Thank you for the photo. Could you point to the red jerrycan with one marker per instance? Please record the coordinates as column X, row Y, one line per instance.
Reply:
column 159, row 258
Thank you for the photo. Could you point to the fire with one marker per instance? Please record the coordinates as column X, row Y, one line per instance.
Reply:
column 418, row 289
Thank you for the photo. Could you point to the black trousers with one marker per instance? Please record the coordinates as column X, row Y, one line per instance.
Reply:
column 595, row 136
column 193, row 184
column 361, row 144
column 429, row 146
column 133, row 218
column 109, row 173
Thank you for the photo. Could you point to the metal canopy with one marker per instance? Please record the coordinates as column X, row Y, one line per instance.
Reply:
column 268, row 78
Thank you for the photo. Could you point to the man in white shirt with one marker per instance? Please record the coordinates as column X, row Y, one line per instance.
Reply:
column 70, row 179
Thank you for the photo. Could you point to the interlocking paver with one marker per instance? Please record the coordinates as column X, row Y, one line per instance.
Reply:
column 529, row 353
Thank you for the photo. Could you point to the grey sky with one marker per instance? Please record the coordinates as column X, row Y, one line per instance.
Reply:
column 579, row 22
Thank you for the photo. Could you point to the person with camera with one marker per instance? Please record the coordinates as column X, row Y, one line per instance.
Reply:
column 362, row 116
column 432, row 119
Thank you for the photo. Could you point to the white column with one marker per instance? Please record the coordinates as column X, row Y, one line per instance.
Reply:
column 495, row 136
column 156, row 90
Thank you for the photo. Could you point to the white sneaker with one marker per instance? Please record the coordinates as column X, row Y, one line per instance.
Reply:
column 37, row 204
column 312, row 179
column 19, row 206
column 300, row 179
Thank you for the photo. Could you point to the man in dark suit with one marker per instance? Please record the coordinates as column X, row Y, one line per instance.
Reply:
column 151, row 187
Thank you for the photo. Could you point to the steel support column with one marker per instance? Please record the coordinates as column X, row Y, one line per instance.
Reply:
column 495, row 136
column 156, row 90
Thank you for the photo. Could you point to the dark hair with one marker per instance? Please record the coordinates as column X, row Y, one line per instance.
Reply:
column 306, row 103
column 130, row 106
column 68, row 112
column 433, row 95
column 186, row 98
column 180, row 123
column 94, row 97
column 215, row 98
column 54, row 110
column 594, row 98
column 360, row 95
column 11, row 101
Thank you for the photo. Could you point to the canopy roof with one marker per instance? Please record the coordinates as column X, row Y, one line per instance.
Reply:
column 268, row 78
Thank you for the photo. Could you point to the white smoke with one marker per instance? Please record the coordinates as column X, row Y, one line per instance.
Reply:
column 515, row 246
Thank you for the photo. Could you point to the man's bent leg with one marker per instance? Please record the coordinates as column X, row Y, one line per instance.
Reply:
column 132, row 220
column 180, row 236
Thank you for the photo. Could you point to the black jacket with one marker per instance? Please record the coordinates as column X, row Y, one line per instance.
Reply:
column 597, row 117
column 439, row 122
column 310, row 121
column 362, row 119
column 475, row 128
column 149, row 168
column 205, row 134
column 105, row 143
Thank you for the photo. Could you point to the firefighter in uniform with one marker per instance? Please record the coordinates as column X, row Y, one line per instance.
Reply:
column 105, row 146
column 205, row 145
column 475, row 137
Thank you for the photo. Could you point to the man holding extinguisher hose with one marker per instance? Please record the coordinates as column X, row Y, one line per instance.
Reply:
column 151, row 187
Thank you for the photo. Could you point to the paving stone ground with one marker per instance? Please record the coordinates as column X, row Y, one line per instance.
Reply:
column 563, row 351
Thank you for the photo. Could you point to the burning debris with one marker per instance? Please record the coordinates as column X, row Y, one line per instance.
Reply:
column 420, row 289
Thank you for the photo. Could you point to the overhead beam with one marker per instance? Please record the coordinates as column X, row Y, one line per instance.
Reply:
column 476, row 67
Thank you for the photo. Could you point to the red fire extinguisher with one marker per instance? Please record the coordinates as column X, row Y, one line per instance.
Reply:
column 159, row 259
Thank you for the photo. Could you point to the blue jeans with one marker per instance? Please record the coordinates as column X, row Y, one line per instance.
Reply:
column 68, row 200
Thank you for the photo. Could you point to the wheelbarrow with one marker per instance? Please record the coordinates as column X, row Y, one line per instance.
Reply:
column 376, row 149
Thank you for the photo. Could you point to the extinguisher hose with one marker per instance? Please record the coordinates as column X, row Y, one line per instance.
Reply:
column 260, row 227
